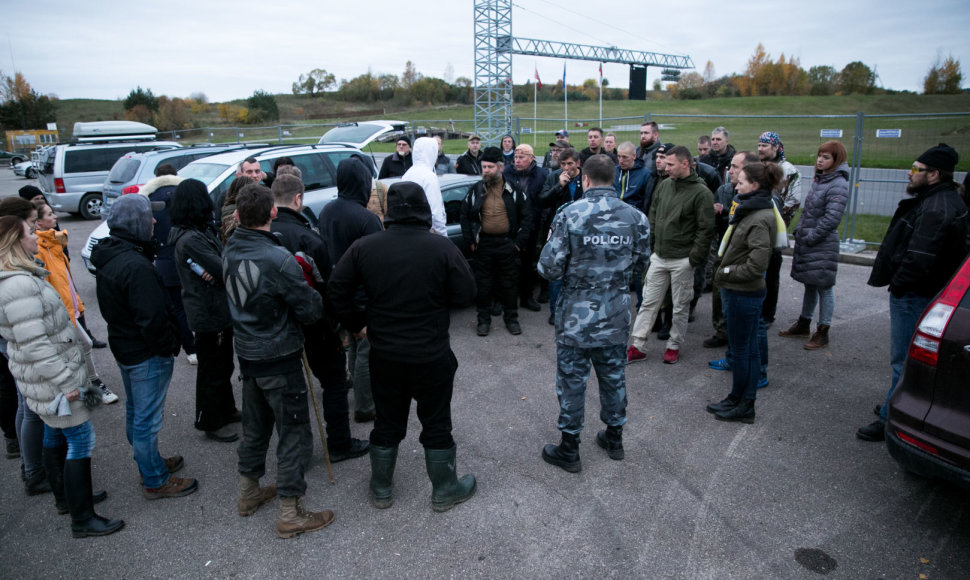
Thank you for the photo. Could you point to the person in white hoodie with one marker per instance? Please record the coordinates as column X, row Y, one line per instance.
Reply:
column 424, row 154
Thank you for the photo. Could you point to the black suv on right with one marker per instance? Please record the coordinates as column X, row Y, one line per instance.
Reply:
column 928, row 432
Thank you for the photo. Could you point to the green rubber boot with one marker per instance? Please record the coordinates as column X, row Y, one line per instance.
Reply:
column 382, row 461
column 447, row 490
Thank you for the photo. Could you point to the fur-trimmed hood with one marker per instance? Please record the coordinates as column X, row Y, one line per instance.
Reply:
column 159, row 182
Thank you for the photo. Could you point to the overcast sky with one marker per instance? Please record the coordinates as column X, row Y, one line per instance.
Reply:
column 103, row 49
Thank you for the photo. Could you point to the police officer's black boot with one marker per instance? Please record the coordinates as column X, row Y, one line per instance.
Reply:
column 382, row 461
column 77, row 489
column 447, row 490
column 611, row 439
column 564, row 455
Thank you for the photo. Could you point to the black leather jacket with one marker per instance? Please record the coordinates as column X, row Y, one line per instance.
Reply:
column 517, row 208
column 269, row 298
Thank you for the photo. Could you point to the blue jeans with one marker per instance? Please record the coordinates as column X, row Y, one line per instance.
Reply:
column 78, row 439
column 743, row 314
column 904, row 314
column 811, row 297
column 762, row 344
column 146, row 385
column 30, row 432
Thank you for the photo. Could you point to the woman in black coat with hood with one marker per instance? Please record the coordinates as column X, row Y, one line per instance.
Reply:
column 198, row 263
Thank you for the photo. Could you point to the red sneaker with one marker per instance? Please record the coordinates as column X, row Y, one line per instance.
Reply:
column 633, row 355
column 671, row 356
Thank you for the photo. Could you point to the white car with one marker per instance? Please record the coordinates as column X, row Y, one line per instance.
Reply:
column 318, row 163
column 25, row 169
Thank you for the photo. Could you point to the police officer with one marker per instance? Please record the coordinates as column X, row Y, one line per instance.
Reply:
column 594, row 247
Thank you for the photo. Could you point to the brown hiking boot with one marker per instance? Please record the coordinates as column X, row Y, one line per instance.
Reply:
column 802, row 328
column 174, row 463
column 294, row 520
column 174, row 487
column 251, row 496
column 820, row 339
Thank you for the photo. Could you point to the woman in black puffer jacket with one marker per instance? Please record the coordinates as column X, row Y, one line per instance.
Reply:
column 816, row 256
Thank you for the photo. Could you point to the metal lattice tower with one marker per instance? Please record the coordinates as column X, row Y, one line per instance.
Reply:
column 495, row 45
column 493, row 70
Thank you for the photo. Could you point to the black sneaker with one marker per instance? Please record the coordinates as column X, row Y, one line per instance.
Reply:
column 514, row 327
column 715, row 342
column 356, row 448
column 875, row 431
column 483, row 328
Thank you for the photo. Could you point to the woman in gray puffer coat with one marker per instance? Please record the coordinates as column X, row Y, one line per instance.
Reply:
column 816, row 256
column 49, row 369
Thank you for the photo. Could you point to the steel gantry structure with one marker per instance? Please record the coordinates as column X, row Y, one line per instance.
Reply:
column 495, row 45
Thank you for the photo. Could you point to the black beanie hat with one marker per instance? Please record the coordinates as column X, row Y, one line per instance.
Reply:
column 493, row 155
column 941, row 157
column 29, row 192
column 403, row 138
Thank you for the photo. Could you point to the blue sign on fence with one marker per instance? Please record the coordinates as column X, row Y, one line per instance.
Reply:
column 830, row 133
column 526, row 130
column 889, row 133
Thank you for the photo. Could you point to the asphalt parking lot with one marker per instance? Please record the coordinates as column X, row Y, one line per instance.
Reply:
column 795, row 495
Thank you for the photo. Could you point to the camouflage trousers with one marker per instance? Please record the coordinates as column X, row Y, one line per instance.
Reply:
column 571, row 377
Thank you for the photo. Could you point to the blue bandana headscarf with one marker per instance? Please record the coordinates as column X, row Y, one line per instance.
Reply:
column 772, row 138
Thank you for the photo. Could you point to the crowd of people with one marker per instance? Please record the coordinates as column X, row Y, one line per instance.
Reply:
column 620, row 240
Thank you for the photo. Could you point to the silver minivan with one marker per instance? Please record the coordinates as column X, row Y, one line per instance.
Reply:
column 72, row 175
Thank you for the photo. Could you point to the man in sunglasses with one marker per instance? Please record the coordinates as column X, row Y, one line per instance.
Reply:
column 925, row 244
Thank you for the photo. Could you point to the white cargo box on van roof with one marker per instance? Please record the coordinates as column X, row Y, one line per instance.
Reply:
column 114, row 131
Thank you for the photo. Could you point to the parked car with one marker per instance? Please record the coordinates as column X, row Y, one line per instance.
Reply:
column 454, row 187
column 134, row 170
column 72, row 174
column 360, row 134
column 25, row 169
column 928, row 432
column 13, row 157
column 318, row 163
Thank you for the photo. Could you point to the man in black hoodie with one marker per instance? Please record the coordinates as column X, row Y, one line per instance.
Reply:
column 325, row 352
column 411, row 278
column 342, row 222
column 143, row 336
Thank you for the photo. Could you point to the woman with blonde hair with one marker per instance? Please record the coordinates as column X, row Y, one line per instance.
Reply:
column 48, row 366
column 51, row 243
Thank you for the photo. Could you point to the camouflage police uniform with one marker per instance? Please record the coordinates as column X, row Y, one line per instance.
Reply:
column 594, row 246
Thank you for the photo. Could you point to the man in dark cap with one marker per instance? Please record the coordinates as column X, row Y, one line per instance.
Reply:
column 399, row 162
column 925, row 243
column 411, row 278
column 470, row 162
column 31, row 193
column 496, row 220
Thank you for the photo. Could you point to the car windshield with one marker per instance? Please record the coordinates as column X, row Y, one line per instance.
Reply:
column 358, row 134
column 204, row 172
column 124, row 170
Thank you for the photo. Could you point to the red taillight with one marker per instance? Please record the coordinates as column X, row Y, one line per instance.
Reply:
column 925, row 347
column 131, row 189
column 916, row 443
column 59, row 186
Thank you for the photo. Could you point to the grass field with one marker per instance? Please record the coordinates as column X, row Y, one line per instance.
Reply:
column 799, row 131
